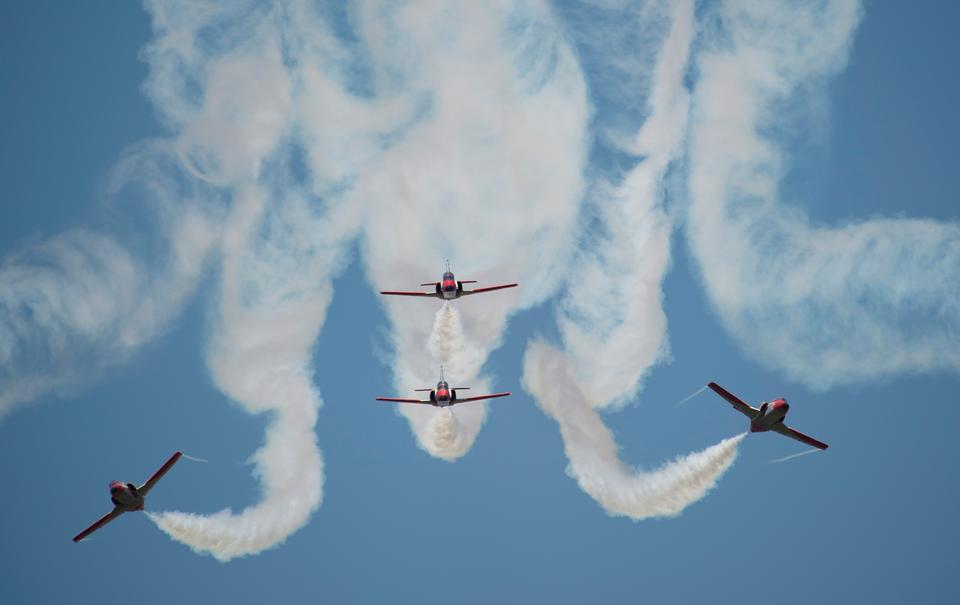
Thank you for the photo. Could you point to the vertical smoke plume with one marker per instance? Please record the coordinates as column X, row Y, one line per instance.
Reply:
column 611, row 317
column 826, row 304
column 452, row 436
column 440, row 432
column 488, row 173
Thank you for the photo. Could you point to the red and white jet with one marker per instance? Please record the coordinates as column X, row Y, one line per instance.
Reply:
column 768, row 418
column 449, row 288
column 442, row 396
column 127, row 497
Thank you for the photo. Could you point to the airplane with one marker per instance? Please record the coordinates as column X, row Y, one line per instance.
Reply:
column 442, row 396
column 768, row 418
column 449, row 288
column 127, row 497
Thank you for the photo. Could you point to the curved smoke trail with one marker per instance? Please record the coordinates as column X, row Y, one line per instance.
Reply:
column 826, row 304
column 592, row 452
column 611, row 319
column 284, row 238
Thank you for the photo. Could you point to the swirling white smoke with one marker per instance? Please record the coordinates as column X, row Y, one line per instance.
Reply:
column 473, row 131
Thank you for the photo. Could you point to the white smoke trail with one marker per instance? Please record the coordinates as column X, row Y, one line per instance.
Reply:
column 612, row 320
column 283, row 242
column 592, row 451
column 488, row 174
column 792, row 456
column 449, row 346
column 260, row 356
column 448, row 437
column 690, row 396
column 76, row 303
column 446, row 433
column 827, row 305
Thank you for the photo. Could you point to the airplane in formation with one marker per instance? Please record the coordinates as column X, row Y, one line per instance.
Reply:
column 128, row 498
column 449, row 288
column 769, row 417
column 442, row 396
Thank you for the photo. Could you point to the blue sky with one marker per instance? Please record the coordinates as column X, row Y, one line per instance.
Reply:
column 870, row 519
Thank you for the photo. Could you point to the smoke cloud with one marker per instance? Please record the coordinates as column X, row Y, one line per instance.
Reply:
column 825, row 304
column 77, row 303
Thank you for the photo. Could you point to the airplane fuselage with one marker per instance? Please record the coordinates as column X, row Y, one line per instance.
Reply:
column 449, row 288
column 125, row 496
column 443, row 395
column 770, row 414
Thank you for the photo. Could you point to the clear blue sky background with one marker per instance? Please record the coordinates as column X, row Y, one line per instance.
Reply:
column 871, row 520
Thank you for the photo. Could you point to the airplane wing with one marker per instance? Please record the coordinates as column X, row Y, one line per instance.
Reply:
column 396, row 400
column 465, row 399
column 107, row 518
column 146, row 487
column 488, row 289
column 737, row 403
column 391, row 293
column 789, row 432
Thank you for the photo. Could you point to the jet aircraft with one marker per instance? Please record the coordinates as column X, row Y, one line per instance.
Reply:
column 127, row 497
column 449, row 288
column 442, row 396
column 768, row 418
